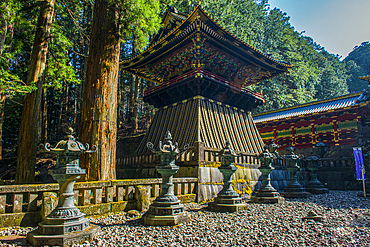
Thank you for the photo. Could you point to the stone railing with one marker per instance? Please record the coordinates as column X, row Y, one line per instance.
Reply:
column 27, row 204
column 244, row 158
column 205, row 154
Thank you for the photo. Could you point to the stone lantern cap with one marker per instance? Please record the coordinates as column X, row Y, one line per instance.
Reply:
column 266, row 154
column 227, row 151
column 67, row 152
column 167, row 150
column 312, row 157
column 273, row 147
column 69, row 146
column 227, row 155
column 167, row 146
column 292, row 155
column 320, row 144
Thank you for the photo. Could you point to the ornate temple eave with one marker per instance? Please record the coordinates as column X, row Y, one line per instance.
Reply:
column 344, row 101
column 199, row 22
column 201, row 84
column 170, row 19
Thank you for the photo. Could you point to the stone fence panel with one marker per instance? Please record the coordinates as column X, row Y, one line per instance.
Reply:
column 26, row 205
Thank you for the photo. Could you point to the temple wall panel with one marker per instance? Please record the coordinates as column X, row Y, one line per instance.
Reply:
column 305, row 131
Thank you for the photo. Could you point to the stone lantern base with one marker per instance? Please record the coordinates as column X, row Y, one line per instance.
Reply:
column 316, row 187
column 165, row 214
column 224, row 203
column 268, row 200
column 35, row 238
column 267, row 196
column 314, row 190
column 295, row 193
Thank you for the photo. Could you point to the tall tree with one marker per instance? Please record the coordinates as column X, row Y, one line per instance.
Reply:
column 99, row 112
column 26, row 161
column 99, row 108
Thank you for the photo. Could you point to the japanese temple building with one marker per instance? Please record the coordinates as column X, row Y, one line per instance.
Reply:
column 202, row 73
column 337, row 121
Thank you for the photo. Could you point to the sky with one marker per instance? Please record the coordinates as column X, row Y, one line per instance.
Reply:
column 337, row 25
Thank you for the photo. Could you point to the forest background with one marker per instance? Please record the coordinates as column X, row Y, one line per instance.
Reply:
column 316, row 74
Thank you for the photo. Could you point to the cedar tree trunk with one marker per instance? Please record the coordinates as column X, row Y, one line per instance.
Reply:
column 44, row 135
column 4, row 15
column 99, row 105
column 135, row 106
column 26, row 163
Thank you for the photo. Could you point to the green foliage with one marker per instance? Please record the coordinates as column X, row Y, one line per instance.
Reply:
column 139, row 19
column 59, row 65
column 357, row 65
column 12, row 59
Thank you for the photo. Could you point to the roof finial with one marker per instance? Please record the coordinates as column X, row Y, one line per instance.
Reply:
column 198, row 2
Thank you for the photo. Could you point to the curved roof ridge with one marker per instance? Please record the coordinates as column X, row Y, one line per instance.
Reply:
column 242, row 41
column 164, row 37
column 195, row 9
column 312, row 103
column 340, row 102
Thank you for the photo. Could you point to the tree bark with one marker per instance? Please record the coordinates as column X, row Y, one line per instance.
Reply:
column 99, row 105
column 131, row 99
column 26, row 163
column 119, row 101
column 3, row 27
column 2, row 110
column 3, row 33
column 44, row 131
column 88, row 12
column 135, row 106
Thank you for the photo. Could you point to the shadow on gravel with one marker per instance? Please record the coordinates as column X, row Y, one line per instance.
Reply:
column 129, row 222
column 337, row 200
column 14, row 240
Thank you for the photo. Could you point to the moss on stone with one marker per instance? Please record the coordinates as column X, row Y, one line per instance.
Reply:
column 118, row 206
column 188, row 198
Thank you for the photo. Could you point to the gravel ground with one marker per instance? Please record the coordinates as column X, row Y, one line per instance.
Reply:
column 345, row 222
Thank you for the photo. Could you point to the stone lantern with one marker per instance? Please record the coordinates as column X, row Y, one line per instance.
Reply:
column 66, row 224
column 273, row 148
column 227, row 199
column 166, row 209
column 321, row 148
column 314, row 186
column 267, row 193
column 293, row 189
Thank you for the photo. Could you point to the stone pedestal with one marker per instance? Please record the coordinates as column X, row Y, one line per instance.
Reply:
column 267, row 194
column 166, row 209
column 36, row 239
column 66, row 224
column 294, row 189
column 227, row 199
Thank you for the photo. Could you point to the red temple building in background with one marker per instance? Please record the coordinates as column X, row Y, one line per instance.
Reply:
column 338, row 121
